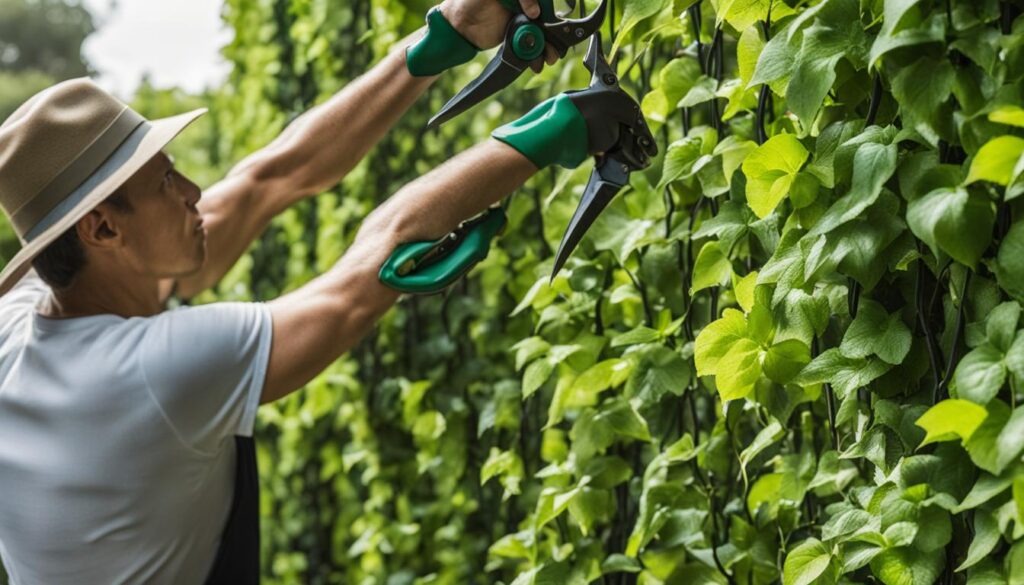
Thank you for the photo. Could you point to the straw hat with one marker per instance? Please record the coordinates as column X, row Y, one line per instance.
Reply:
column 62, row 153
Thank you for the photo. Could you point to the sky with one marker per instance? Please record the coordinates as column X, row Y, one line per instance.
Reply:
column 177, row 42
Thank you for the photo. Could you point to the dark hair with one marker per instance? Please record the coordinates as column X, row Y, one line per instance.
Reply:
column 64, row 258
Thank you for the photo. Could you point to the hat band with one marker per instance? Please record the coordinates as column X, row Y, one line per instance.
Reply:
column 123, row 152
column 80, row 172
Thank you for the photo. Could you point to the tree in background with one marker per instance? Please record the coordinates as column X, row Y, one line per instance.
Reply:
column 40, row 44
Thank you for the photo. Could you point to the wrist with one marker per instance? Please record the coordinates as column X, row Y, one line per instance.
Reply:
column 441, row 48
column 554, row 132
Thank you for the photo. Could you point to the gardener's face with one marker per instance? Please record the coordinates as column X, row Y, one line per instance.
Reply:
column 163, row 235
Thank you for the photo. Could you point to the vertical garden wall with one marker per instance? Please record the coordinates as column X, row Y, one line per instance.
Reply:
column 789, row 353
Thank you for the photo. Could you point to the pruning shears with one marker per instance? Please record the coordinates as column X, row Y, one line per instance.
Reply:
column 525, row 40
column 430, row 267
column 625, row 145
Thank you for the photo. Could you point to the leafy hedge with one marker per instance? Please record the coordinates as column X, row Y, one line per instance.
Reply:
column 790, row 353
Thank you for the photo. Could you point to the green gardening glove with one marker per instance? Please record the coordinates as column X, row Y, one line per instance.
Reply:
column 440, row 49
column 553, row 132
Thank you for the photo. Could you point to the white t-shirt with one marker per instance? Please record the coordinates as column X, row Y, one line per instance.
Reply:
column 116, row 438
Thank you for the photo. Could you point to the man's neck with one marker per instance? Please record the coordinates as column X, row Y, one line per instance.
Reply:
column 93, row 294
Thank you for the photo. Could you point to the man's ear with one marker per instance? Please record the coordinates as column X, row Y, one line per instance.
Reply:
column 100, row 228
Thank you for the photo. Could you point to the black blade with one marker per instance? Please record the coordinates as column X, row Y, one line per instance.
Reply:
column 605, row 182
column 498, row 75
column 568, row 32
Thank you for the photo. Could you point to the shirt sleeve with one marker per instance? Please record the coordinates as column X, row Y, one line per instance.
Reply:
column 205, row 367
column 24, row 295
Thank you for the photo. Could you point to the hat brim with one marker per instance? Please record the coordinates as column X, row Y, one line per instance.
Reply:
column 161, row 132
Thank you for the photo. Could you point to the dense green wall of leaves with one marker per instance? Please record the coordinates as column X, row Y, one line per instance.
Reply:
column 790, row 353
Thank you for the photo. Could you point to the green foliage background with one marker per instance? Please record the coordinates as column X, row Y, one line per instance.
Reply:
column 789, row 353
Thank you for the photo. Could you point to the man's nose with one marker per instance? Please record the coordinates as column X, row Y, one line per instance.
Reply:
column 192, row 193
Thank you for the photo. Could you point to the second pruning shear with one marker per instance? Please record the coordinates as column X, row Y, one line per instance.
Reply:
column 524, row 42
column 624, row 141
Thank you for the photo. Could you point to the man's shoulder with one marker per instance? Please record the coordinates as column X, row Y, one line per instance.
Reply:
column 22, row 298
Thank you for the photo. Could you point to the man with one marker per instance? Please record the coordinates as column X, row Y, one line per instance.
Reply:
column 123, row 450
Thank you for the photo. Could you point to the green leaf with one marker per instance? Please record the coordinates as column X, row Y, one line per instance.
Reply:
column 596, row 379
column 547, row 574
column 1009, row 262
column 636, row 336
column 619, row 563
column 875, row 332
column 933, row 30
column 553, row 501
column 743, row 13
column 744, row 290
column 845, row 374
column 996, row 161
column 954, row 221
column 739, row 369
column 920, row 89
column 1001, row 325
column 765, row 491
column 701, row 91
column 951, row 419
column 982, row 444
column 776, row 60
column 633, row 14
column 714, row 341
column 987, row 487
column 846, row 522
column 1014, row 358
column 764, row 439
column 986, row 537
column 1012, row 115
column 1010, row 441
column 712, row 268
column 873, row 165
column 784, row 360
column 907, row 566
column 659, row 371
column 980, row 374
column 900, row 533
column 810, row 562
column 748, row 49
column 535, row 375
column 835, row 33
column 770, row 170
column 626, row 421
column 677, row 78
column 529, row 349
column 679, row 159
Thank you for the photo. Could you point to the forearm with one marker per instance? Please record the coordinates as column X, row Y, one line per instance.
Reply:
column 329, row 315
column 425, row 209
column 434, row 204
column 322, row 145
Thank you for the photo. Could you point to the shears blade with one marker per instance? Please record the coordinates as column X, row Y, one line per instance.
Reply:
column 499, row 74
column 606, row 180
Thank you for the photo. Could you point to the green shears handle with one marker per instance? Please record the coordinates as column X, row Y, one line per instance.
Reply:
column 430, row 267
column 547, row 9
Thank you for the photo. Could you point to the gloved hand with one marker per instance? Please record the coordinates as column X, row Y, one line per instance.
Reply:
column 567, row 128
column 458, row 29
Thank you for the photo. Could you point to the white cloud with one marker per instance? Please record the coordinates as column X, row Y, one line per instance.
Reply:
column 176, row 43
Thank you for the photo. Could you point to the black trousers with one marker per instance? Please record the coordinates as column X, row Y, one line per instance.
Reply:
column 238, row 558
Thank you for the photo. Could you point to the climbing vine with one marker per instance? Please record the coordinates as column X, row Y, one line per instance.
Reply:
column 789, row 353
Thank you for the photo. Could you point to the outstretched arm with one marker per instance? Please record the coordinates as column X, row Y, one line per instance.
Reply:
column 315, row 324
column 315, row 152
column 320, row 147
